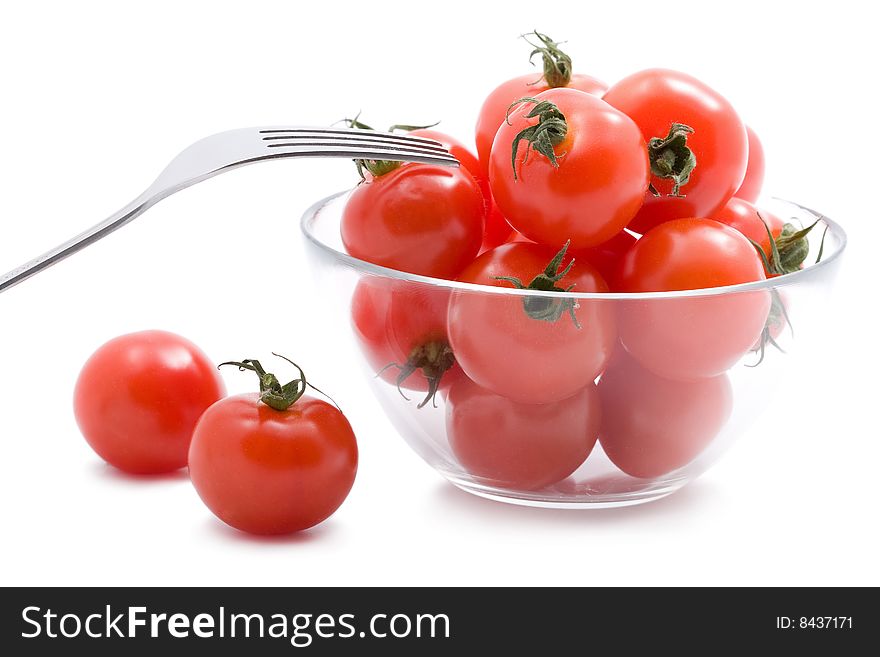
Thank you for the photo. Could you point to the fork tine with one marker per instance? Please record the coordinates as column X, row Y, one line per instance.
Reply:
column 358, row 143
column 364, row 150
column 398, row 142
column 280, row 133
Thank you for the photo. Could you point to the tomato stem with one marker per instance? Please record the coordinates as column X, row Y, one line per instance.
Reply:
column 378, row 168
column 272, row 392
column 671, row 158
column 777, row 317
column 788, row 251
column 544, row 136
column 409, row 128
column 547, row 309
column 433, row 360
column 557, row 64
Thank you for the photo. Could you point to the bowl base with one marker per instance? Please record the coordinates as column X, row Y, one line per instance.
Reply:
column 550, row 500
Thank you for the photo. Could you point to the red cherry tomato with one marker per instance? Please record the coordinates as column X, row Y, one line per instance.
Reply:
column 138, row 397
column 651, row 425
column 520, row 446
column 699, row 336
column 417, row 218
column 531, row 349
column 606, row 257
column 268, row 471
column 494, row 110
column 750, row 189
column 657, row 98
column 598, row 183
column 747, row 219
column 401, row 329
column 497, row 230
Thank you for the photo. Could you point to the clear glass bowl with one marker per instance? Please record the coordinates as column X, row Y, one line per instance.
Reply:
column 666, row 407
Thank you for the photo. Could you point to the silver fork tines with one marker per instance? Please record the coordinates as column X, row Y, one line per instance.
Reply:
column 229, row 150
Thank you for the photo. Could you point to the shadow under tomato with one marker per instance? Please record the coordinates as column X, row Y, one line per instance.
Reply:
column 320, row 532
column 689, row 501
column 109, row 473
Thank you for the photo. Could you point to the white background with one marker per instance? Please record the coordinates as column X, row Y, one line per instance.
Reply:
column 98, row 96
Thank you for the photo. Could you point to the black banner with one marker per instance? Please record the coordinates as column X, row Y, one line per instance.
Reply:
column 114, row 621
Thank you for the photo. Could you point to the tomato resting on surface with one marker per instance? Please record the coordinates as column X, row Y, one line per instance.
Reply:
column 273, row 462
column 417, row 218
column 750, row 189
column 138, row 397
column 497, row 230
column 580, row 170
column 651, row 425
column 659, row 99
column 697, row 336
column 531, row 349
column 520, row 446
column 401, row 329
column 557, row 73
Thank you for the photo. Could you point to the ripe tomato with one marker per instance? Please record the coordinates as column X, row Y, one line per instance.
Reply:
column 606, row 257
column 531, row 349
column 747, row 219
column 401, row 329
column 418, row 218
column 651, row 425
column 656, row 99
column 520, row 446
column 494, row 110
column 138, row 397
column 750, row 189
column 580, row 173
column 699, row 336
column 497, row 230
column 269, row 470
column 790, row 245
column 557, row 73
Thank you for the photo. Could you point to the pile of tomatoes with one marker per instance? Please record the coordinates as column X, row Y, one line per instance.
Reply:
column 644, row 186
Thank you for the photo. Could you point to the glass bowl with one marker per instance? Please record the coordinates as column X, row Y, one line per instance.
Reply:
column 697, row 369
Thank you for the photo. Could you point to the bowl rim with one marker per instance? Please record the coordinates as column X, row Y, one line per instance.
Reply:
column 803, row 276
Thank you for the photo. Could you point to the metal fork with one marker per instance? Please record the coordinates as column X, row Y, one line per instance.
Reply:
column 228, row 150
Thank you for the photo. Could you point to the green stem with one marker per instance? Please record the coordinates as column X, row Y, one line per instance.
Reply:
column 557, row 64
column 544, row 136
column 788, row 251
column 403, row 127
column 272, row 392
column 548, row 309
column 433, row 360
column 671, row 158
column 376, row 168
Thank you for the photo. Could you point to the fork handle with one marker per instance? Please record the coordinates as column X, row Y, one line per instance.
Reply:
column 71, row 246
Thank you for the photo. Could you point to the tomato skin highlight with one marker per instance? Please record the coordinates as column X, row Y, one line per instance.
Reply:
column 691, row 337
column 493, row 113
column 520, row 446
column 656, row 98
column 596, row 190
column 750, row 189
column 139, row 396
column 421, row 219
column 652, row 426
column 528, row 360
column 392, row 318
column 497, row 230
column 264, row 471
column 747, row 219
